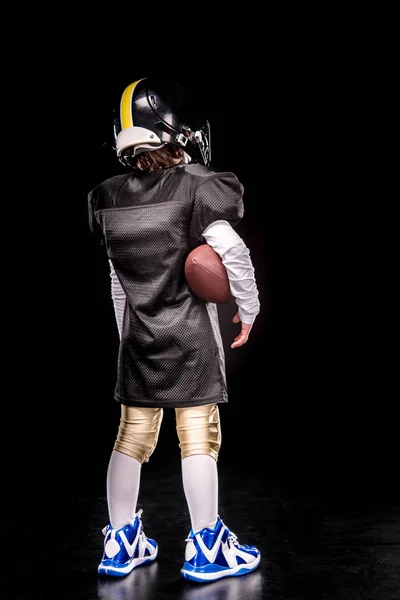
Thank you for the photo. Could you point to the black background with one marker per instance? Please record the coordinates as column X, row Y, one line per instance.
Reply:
column 310, row 400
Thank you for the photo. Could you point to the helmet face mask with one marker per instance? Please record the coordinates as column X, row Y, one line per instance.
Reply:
column 203, row 139
column 155, row 113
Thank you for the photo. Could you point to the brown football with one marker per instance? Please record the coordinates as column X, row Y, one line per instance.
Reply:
column 207, row 276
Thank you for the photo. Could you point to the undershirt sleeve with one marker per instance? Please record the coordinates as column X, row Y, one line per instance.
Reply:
column 236, row 258
column 118, row 297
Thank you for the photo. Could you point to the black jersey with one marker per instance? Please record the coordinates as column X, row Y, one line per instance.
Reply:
column 171, row 352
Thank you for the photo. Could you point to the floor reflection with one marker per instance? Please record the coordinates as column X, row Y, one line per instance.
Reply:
column 141, row 583
column 230, row 588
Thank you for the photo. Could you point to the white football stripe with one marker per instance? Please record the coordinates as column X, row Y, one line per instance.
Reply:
column 230, row 553
column 210, row 555
column 130, row 548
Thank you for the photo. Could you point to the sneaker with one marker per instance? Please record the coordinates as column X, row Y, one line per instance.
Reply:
column 215, row 553
column 126, row 548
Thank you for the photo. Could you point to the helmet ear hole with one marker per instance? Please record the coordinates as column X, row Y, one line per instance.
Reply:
column 128, row 152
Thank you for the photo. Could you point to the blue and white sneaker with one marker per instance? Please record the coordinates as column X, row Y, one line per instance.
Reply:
column 215, row 553
column 126, row 548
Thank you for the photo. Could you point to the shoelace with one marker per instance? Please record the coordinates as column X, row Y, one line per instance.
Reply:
column 233, row 538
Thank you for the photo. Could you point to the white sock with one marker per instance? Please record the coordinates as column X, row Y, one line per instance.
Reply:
column 123, row 481
column 200, row 484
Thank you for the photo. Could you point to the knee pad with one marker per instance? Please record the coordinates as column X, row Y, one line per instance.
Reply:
column 138, row 431
column 199, row 430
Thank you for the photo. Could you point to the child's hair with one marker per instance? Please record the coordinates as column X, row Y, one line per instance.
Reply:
column 155, row 160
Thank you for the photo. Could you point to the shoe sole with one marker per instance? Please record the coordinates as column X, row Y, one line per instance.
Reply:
column 122, row 571
column 201, row 576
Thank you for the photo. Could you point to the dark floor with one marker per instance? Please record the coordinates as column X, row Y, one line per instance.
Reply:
column 309, row 475
column 317, row 541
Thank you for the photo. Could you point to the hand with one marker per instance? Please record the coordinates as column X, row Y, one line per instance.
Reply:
column 244, row 333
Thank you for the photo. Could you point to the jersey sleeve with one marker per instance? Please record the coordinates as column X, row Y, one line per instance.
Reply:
column 94, row 224
column 217, row 197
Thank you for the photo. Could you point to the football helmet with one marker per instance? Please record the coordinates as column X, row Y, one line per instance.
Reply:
column 156, row 112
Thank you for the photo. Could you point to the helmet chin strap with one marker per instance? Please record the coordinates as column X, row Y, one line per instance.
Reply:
column 146, row 147
column 133, row 151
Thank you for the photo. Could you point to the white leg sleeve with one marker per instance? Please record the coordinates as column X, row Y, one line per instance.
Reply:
column 200, row 484
column 123, row 481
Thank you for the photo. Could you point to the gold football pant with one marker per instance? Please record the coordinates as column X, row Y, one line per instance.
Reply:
column 198, row 429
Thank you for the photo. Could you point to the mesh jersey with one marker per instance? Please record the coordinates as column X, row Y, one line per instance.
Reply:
column 170, row 352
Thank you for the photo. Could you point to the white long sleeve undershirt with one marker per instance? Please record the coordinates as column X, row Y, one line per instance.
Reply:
column 235, row 256
column 118, row 296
